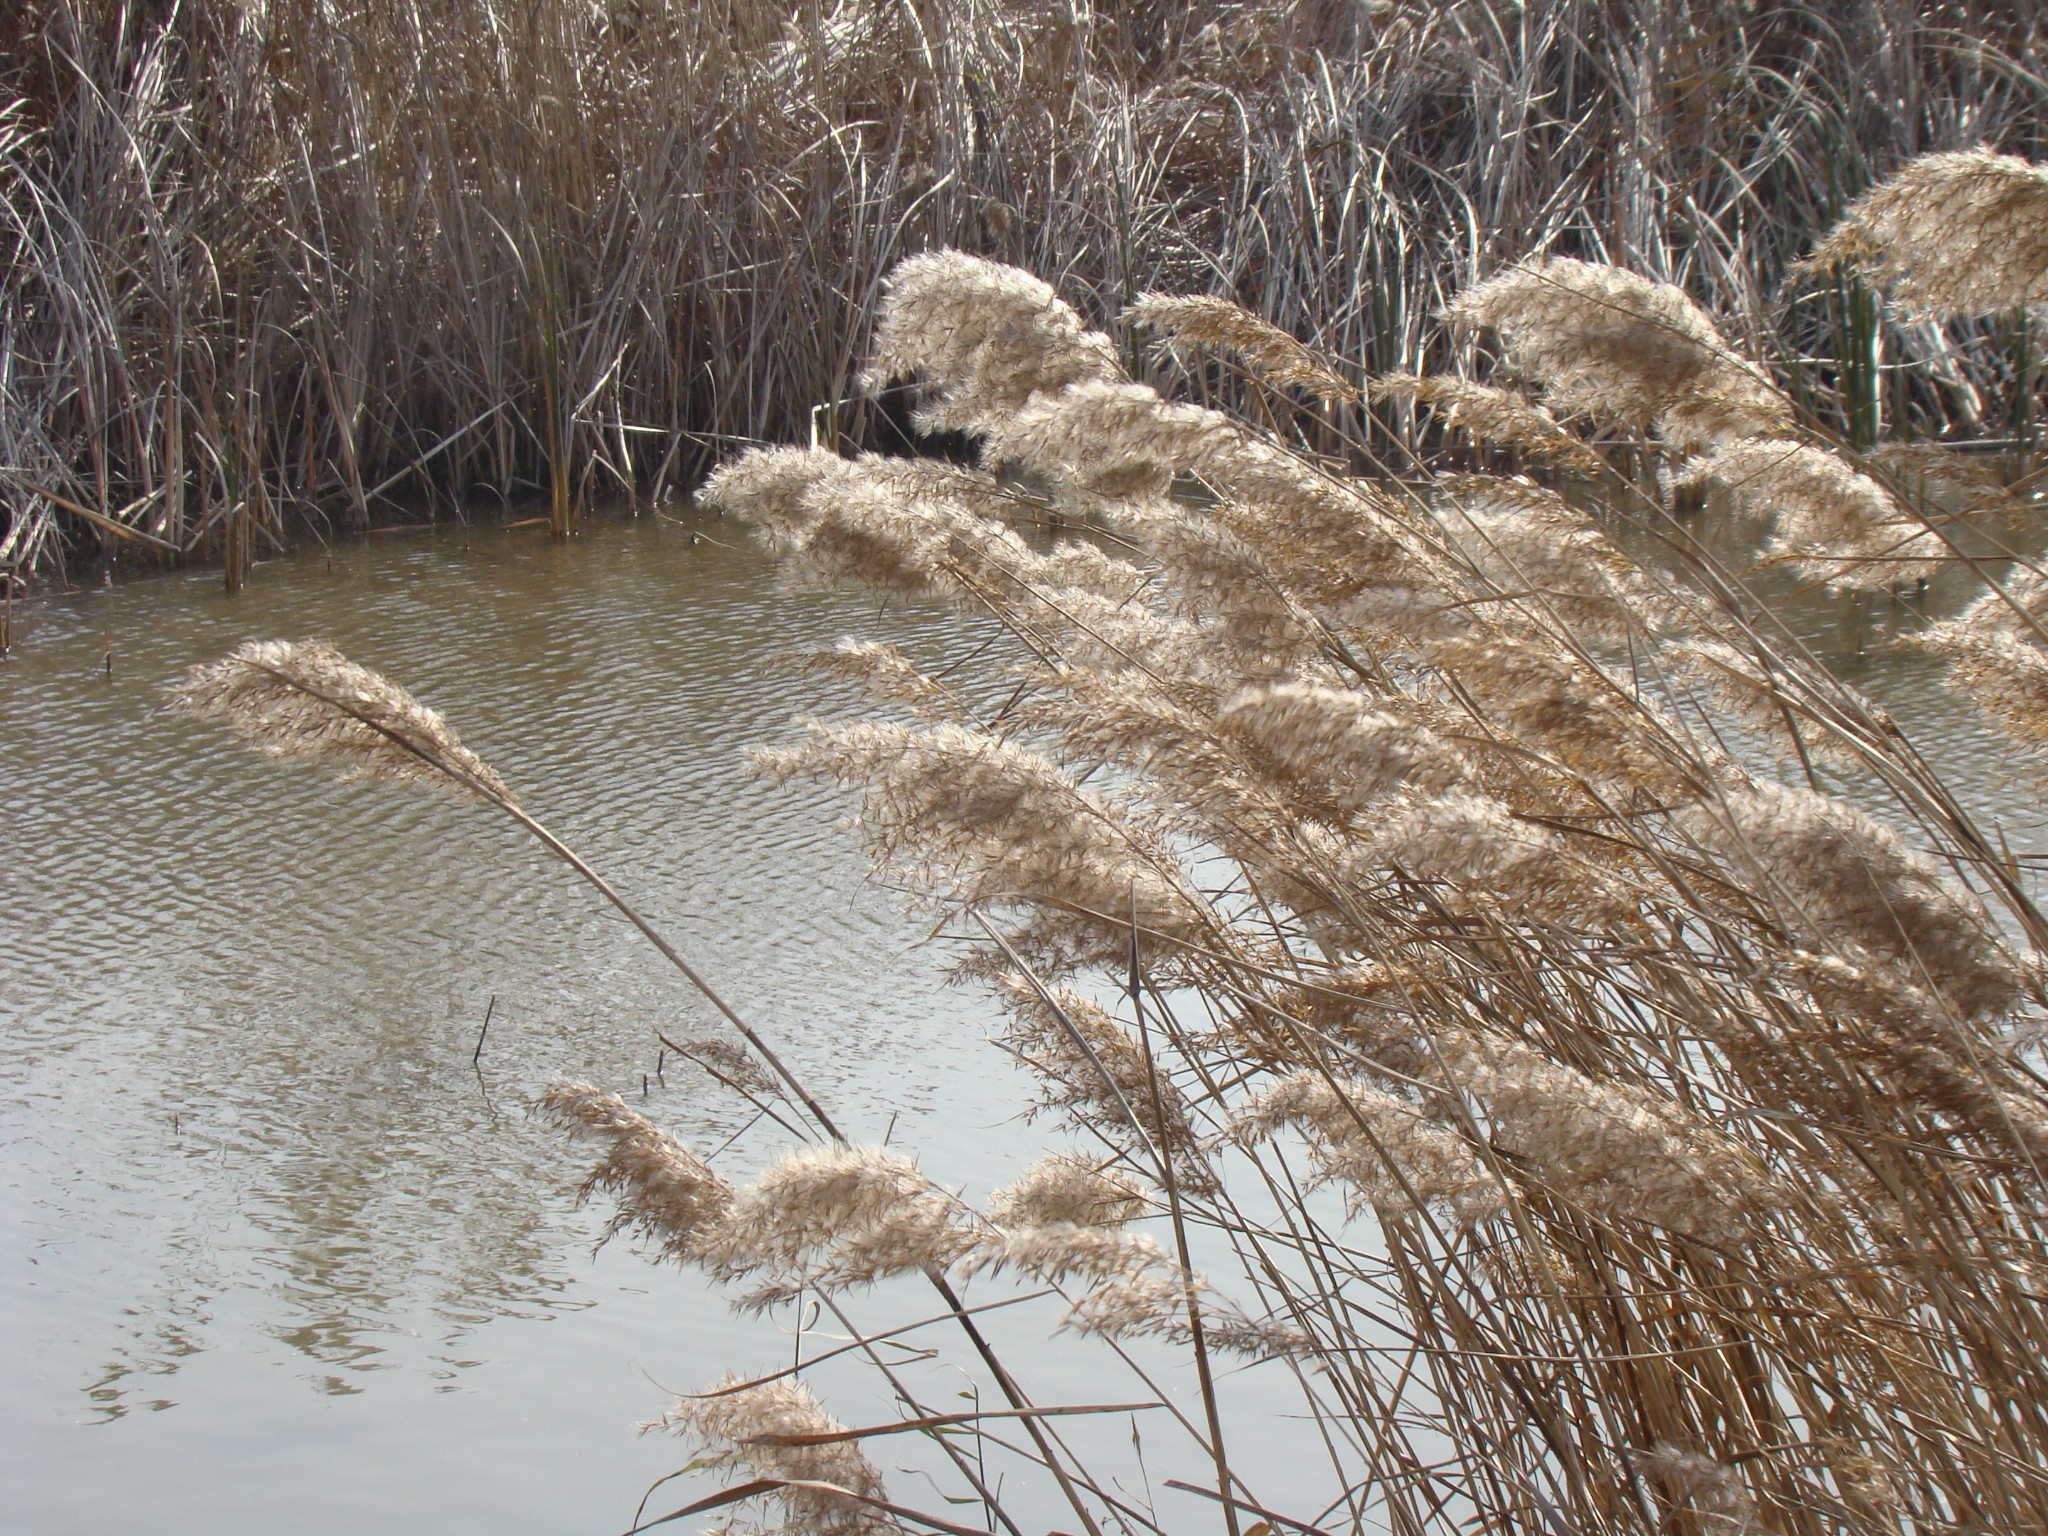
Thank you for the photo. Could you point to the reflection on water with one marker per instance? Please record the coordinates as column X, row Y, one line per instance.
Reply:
column 243, row 1136
column 275, row 1249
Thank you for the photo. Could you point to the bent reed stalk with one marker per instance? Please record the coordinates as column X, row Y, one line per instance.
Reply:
column 273, row 260
column 1664, row 1032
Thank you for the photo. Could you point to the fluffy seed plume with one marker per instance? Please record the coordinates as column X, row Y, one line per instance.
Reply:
column 1472, row 849
column 1712, row 1492
column 1527, row 540
column 1108, row 439
column 1100, row 1080
column 882, row 669
column 981, row 338
column 304, row 699
column 1623, row 347
column 1221, row 326
column 1995, row 658
column 1964, row 233
column 1971, row 481
column 664, row 1191
column 1498, row 418
column 896, row 525
column 1066, row 1187
column 1062, row 1250
column 1379, row 1149
column 1902, row 1034
column 1829, row 515
column 988, row 822
column 1346, row 748
column 831, row 1217
column 1848, row 877
column 762, row 1431
column 1612, row 1148
column 1747, row 688
column 1156, row 1305
column 1563, row 706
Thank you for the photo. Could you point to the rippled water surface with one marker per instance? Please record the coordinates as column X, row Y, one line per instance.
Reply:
column 276, row 1254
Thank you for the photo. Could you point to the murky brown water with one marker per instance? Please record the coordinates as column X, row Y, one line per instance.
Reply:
column 274, row 1254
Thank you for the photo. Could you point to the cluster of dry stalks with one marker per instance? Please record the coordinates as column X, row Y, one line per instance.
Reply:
column 278, row 256
column 1655, row 1019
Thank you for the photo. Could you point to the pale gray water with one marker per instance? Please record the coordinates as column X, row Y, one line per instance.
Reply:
column 274, row 1255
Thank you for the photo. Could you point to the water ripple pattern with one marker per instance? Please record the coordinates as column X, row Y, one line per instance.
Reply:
column 247, row 1168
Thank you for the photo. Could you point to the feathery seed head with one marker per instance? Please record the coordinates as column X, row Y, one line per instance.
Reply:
column 751, row 1431
column 981, row 338
column 963, row 811
column 1830, row 517
column 1525, row 539
column 1624, row 347
column 1100, row 1081
column 1107, row 439
column 1610, row 1147
column 1713, row 1493
column 1842, row 874
column 1964, row 233
column 830, row 1217
column 1065, row 1187
column 665, row 1192
column 1995, row 660
column 1378, row 1148
column 1221, row 326
column 304, row 699
column 1344, row 746
column 1496, row 417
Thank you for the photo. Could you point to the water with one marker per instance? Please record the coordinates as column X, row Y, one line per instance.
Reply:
column 275, row 1252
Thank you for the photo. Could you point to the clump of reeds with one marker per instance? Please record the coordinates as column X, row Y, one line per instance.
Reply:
column 1389, row 834
column 1684, row 1139
column 367, row 257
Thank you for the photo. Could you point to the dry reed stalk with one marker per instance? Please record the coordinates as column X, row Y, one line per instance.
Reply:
column 433, row 251
column 1656, row 1082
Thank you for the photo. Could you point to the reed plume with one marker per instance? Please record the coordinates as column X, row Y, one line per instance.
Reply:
column 1382, row 1151
column 1829, row 516
column 1491, row 417
column 1832, row 870
column 663, row 1190
column 1189, row 324
column 980, row 339
column 1065, row 1187
column 830, row 1218
column 1996, row 657
column 304, row 699
column 774, row 1430
column 1960, row 233
column 1624, row 348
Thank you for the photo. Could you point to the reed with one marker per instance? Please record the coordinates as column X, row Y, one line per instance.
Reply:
column 319, row 259
column 1482, row 967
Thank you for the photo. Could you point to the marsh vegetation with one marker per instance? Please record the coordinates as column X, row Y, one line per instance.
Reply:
column 1489, row 973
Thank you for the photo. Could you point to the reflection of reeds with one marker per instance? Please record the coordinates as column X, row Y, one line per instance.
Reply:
column 271, row 258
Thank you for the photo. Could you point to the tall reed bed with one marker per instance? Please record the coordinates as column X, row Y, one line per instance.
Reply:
column 1590, row 1050
column 278, row 257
